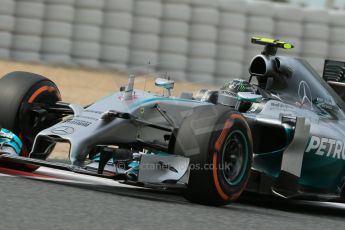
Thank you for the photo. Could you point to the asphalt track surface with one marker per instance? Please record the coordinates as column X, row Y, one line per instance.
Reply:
column 52, row 199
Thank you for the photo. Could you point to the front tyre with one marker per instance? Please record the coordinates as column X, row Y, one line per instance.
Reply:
column 220, row 172
column 20, row 92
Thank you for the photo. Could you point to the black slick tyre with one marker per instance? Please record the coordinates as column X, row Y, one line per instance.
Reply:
column 19, row 92
column 219, row 144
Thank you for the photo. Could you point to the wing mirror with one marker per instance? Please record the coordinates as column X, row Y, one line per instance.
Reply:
column 243, row 97
column 166, row 84
column 248, row 96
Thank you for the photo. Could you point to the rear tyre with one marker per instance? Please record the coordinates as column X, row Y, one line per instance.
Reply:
column 221, row 169
column 19, row 92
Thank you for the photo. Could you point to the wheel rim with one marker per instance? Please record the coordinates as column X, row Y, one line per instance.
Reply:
column 234, row 158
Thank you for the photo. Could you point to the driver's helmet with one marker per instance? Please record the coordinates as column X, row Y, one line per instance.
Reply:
column 237, row 85
column 228, row 93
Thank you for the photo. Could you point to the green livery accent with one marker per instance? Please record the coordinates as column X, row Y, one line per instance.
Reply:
column 166, row 86
column 248, row 99
column 315, row 168
column 269, row 162
column 7, row 138
column 245, row 162
column 134, row 105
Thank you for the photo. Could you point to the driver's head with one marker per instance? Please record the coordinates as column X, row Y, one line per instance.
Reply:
column 237, row 85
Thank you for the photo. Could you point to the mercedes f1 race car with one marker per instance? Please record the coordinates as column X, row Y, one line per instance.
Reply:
column 281, row 132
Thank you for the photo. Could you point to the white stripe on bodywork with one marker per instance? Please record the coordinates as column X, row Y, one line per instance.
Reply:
column 293, row 155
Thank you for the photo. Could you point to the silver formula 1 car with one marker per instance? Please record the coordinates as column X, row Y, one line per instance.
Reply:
column 281, row 132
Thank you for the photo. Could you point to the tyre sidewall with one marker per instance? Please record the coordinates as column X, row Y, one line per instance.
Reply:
column 227, row 125
column 198, row 134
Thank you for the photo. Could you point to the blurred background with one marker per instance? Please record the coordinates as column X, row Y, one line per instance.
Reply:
column 202, row 41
